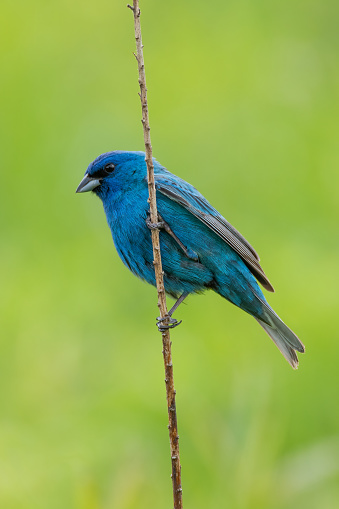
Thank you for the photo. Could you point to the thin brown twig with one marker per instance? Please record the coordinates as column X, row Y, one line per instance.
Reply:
column 166, row 341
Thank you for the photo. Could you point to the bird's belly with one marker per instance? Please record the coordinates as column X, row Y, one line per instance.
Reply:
column 132, row 239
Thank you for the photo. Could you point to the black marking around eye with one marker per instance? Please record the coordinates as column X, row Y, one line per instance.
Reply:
column 103, row 172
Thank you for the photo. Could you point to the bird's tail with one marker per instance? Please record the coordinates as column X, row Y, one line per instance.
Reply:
column 283, row 337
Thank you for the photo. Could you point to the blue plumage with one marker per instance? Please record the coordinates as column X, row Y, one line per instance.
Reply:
column 215, row 255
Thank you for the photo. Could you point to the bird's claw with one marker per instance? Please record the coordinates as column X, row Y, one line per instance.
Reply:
column 162, row 225
column 154, row 226
column 172, row 323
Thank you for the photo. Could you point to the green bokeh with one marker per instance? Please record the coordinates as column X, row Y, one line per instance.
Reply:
column 244, row 104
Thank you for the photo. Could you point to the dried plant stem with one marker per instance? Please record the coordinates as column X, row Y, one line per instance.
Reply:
column 170, row 391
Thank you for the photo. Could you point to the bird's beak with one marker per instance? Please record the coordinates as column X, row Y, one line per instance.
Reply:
column 87, row 184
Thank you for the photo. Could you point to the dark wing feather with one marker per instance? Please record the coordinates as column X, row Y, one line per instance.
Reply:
column 186, row 195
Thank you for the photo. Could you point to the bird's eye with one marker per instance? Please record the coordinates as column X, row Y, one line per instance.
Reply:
column 109, row 168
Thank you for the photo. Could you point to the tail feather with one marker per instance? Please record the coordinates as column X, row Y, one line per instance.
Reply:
column 283, row 337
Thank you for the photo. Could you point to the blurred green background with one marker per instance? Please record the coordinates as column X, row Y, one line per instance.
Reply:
column 243, row 103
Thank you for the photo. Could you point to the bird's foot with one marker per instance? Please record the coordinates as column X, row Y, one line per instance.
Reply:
column 172, row 322
column 162, row 225
column 154, row 226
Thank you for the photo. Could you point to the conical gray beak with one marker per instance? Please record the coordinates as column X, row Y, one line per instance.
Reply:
column 87, row 184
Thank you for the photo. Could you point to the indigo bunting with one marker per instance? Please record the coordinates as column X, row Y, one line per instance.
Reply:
column 200, row 250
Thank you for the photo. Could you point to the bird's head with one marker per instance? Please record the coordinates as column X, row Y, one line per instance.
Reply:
column 109, row 169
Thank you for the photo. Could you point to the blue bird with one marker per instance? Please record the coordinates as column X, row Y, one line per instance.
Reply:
column 200, row 250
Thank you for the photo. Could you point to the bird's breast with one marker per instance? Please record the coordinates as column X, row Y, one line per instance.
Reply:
column 131, row 236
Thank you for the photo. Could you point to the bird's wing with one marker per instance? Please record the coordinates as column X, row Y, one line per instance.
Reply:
column 188, row 197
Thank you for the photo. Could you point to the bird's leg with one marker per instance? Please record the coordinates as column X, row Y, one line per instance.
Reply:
column 172, row 321
column 165, row 226
column 177, row 303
